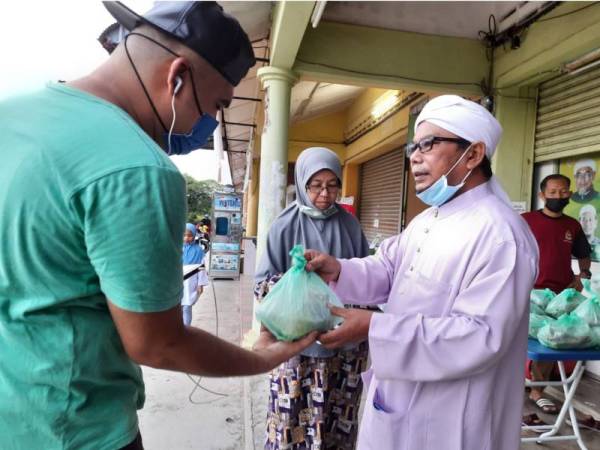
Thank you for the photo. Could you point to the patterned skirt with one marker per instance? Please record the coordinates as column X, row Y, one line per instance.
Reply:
column 313, row 402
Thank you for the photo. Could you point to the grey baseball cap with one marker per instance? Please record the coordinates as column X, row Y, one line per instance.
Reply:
column 202, row 26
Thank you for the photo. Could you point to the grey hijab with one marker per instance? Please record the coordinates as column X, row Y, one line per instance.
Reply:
column 334, row 231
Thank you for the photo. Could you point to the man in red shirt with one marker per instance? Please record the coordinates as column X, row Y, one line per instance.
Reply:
column 559, row 238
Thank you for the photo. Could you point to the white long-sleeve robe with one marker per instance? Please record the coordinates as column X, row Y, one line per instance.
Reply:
column 448, row 354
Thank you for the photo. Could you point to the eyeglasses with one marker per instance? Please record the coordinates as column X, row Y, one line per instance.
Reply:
column 426, row 144
column 317, row 188
column 584, row 174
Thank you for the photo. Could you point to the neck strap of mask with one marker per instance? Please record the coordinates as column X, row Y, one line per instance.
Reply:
column 456, row 164
column 137, row 74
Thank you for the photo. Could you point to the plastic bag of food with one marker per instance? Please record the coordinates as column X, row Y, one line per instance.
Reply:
column 297, row 304
column 595, row 335
column 564, row 303
column 567, row 332
column 535, row 309
column 536, row 322
column 588, row 291
column 541, row 297
column 589, row 310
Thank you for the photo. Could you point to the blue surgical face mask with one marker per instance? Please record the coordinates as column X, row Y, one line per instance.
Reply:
column 177, row 143
column 182, row 144
column 440, row 192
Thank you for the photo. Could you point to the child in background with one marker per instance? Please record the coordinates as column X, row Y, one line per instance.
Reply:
column 193, row 286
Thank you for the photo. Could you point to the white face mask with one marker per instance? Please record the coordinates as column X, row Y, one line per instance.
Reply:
column 440, row 192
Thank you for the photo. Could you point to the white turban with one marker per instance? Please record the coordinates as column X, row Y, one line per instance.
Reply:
column 468, row 120
column 464, row 118
column 590, row 163
column 587, row 209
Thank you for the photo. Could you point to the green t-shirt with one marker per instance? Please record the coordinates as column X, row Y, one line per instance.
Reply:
column 90, row 208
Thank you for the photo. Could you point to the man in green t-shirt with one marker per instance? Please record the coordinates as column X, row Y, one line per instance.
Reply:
column 95, row 291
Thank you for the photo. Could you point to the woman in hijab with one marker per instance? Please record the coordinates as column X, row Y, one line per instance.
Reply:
column 314, row 397
column 193, row 286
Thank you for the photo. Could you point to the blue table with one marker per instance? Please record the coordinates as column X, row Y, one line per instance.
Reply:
column 538, row 352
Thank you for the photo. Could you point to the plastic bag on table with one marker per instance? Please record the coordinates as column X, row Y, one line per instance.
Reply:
column 564, row 303
column 541, row 297
column 567, row 332
column 536, row 322
column 595, row 335
column 297, row 304
column 589, row 310
column 587, row 290
column 535, row 309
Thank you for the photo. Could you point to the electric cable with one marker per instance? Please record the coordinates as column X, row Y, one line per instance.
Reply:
column 569, row 13
column 196, row 381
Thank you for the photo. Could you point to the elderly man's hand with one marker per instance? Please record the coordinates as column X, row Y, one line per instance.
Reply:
column 324, row 265
column 355, row 327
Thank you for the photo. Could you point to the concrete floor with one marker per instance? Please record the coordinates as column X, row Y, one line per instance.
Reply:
column 174, row 418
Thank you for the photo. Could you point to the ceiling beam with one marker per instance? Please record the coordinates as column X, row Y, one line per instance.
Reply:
column 391, row 59
column 290, row 19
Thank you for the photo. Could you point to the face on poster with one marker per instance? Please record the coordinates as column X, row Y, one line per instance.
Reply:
column 585, row 201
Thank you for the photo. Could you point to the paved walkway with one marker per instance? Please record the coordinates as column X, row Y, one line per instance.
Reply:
column 177, row 417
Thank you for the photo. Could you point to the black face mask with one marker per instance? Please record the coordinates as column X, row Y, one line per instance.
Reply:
column 556, row 204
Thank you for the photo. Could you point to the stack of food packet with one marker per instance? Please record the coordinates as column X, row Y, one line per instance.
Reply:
column 569, row 320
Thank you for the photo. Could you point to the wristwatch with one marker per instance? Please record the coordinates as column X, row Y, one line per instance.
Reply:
column 585, row 273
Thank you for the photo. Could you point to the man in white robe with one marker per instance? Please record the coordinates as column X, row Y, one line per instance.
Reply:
column 448, row 352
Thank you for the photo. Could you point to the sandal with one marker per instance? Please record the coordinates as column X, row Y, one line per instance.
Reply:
column 532, row 420
column 546, row 405
column 589, row 423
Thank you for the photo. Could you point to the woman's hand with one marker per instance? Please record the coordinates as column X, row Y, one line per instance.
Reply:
column 324, row 265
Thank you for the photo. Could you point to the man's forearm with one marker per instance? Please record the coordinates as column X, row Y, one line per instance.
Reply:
column 584, row 264
column 201, row 353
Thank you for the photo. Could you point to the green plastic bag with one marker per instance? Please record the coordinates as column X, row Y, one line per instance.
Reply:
column 595, row 335
column 535, row 309
column 541, row 297
column 587, row 290
column 589, row 310
column 536, row 322
column 297, row 304
column 564, row 303
column 567, row 332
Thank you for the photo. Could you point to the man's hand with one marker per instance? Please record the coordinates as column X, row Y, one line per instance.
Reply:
column 265, row 338
column 275, row 352
column 324, row 265
column 576, row 283
column 160, row 340
column 355, row 327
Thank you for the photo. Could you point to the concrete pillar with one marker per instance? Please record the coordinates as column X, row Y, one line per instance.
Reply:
column 274, row 148
column 252, row 200
column 513, row 161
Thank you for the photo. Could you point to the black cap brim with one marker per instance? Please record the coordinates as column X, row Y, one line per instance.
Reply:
column 127, row 18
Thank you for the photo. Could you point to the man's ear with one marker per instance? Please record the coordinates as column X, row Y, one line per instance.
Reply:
column 541, row 196
column 175, row 75
column 477, row 154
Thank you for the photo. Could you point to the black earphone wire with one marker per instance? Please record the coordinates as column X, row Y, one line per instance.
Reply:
column 139, row 77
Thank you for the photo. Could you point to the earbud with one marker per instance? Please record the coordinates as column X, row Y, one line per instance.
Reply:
column 178, row 84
